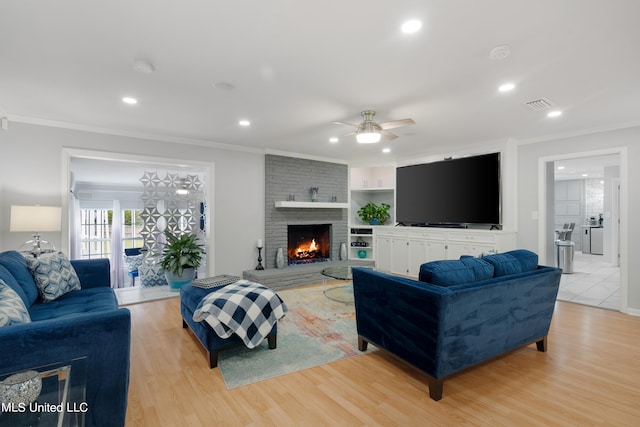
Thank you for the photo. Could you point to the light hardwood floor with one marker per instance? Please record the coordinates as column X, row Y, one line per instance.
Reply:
column 589, row 376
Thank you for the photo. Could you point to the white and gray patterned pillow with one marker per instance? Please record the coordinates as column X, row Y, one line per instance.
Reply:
column 151, row 275
column 12, row 308
column 54, row 275
column 133, row 262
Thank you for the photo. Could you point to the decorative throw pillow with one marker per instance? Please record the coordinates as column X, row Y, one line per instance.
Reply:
column 133, row 262
column 54, row 275
column 151, row 275
column 12, row 308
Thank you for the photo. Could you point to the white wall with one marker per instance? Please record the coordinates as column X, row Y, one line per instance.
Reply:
column 31, row 171
column 531, row 158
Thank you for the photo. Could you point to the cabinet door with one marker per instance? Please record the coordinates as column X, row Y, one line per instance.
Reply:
column 456, row 250
column 383, row 253
column 436, row 250
column 418, row 255
column 400, row 257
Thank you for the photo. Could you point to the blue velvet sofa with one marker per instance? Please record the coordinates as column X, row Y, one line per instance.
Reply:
column 82, row 327
column 459, row 313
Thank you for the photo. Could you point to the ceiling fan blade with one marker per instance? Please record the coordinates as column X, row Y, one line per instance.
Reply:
column 345, row 124
column 350, row 133
column 396, row 124
column 388, row 135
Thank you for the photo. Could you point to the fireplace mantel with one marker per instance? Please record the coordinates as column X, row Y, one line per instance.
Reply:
column 311, row 205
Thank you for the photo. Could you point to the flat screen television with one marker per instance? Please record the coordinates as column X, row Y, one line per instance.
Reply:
column 456, row 192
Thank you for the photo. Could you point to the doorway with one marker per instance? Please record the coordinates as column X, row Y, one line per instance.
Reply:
column 583, row 188
column 99, row 178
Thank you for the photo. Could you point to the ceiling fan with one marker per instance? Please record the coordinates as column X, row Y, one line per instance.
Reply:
column 369, row 131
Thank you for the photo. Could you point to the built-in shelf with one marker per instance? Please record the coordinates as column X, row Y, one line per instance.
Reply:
column 311, row 205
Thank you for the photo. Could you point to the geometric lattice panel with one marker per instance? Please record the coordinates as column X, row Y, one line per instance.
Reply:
column 171, row 203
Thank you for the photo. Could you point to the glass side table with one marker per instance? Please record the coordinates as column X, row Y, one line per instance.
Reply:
column 342, row 293
column 50, row 395
column 341, row 273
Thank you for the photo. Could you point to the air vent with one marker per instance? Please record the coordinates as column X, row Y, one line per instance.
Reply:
column 541, row 104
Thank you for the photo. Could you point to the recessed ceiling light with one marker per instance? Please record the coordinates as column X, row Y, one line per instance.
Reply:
column 129, row 100
column 554, row 113
column 507, row 87
column 585, row 175
column 333, row 140
column 244, row 123
column 411, row 26
column 560, row 168
column 386, row 150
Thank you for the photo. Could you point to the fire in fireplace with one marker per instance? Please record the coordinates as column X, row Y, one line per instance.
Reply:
column 308, row 243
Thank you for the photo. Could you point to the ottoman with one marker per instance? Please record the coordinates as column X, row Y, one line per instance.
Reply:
column 190, row 297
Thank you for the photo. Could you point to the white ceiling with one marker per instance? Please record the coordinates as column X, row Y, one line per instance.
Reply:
column 296, row 67
column 585, row 167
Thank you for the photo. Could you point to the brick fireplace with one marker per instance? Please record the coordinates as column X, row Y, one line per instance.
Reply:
column 291, row 176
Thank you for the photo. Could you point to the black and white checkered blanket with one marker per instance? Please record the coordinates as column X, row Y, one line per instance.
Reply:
column 248, row 309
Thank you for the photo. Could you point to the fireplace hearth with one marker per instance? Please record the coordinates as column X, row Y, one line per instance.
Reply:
column 308, row 243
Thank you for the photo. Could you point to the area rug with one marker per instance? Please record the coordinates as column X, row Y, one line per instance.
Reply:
column 315, row 331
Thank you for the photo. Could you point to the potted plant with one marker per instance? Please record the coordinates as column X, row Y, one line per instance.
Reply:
column 374, row 214
column 181, row 256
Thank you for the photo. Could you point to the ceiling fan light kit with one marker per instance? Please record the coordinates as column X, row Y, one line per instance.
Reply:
column 367, row 133
column 370, row 132
column 368, row 137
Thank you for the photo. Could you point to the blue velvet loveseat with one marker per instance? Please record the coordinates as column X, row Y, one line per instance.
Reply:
column 82, row 328
column 459, row 313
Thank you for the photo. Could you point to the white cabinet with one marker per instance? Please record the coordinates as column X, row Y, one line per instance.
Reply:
column 400, row 256
column 470, row 243
column 383, row 252
column 436, row 249
column 402, row 250
column 406, row 252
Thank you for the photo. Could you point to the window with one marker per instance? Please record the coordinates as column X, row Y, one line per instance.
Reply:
column 96, row 229
column 131, row 226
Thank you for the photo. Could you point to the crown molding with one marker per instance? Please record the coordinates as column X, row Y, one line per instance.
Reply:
column 573, row 134
column 130, row 134
column 305, row 156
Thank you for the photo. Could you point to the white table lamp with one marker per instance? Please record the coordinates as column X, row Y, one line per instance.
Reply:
column 36, row 219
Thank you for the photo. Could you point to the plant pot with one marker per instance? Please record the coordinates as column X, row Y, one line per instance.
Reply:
column 374, row 221
column 176, row 282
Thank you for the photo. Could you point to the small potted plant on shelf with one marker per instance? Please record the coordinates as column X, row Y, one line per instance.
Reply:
column 374, row 214
column 181, row 257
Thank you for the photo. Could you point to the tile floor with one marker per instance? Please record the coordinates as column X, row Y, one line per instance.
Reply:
column 592, row 283
column 137, row 294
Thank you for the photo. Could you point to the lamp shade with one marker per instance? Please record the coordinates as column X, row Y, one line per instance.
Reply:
column 35, row 218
